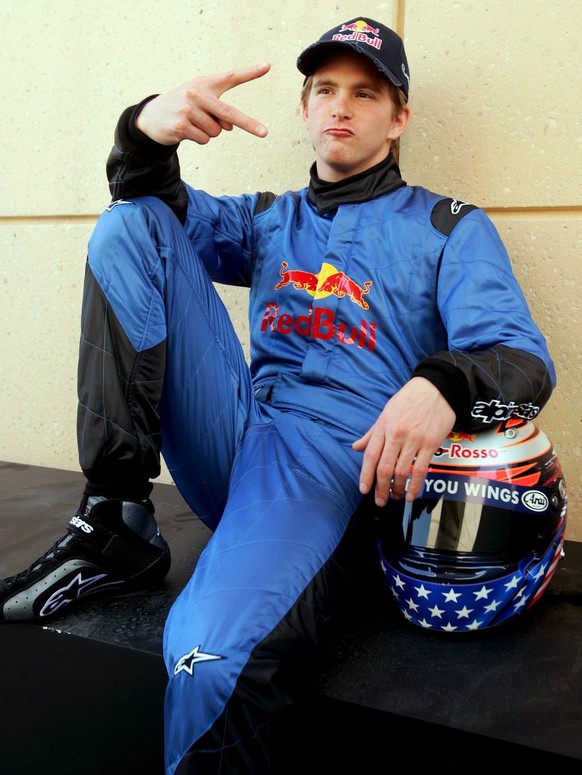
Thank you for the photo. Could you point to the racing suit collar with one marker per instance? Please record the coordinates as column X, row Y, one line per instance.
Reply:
column 380, row 179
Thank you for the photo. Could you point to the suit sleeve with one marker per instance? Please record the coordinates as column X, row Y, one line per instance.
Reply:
column 498, row 365
column 489, row 386
column 138, row 166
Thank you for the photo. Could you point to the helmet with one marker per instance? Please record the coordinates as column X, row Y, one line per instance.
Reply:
column 483, row 539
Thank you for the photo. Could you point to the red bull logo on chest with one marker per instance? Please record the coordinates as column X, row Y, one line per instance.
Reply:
column 328, row 280
column 320, row 322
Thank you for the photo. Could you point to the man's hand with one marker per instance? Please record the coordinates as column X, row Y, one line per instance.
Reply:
column 194, row 111
column 407, row 433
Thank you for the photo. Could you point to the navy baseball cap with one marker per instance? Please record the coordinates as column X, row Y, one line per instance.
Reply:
column 383, row 47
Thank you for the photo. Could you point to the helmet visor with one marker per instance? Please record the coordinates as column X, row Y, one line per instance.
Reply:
column 466, row 514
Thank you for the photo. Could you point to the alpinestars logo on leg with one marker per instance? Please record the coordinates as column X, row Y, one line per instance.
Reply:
column 187, row 662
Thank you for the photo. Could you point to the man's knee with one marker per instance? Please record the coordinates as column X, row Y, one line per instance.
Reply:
column 134, row 221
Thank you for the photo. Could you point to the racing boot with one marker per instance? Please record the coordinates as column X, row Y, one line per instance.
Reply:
column 111, row 546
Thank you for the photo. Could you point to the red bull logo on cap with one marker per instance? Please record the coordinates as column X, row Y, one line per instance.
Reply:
column 360, row 31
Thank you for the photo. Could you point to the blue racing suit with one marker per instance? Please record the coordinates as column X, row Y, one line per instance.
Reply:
column 354, row 288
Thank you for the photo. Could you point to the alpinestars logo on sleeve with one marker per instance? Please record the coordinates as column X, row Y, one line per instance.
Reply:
column 195, row 656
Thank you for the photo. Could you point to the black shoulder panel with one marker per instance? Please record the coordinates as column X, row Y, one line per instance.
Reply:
column 447, row 213
column 265, row 200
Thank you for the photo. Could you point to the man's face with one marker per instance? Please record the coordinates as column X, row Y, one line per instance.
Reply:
column 350, row 116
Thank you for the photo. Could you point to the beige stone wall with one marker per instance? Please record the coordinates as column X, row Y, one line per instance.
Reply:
column 496, row 90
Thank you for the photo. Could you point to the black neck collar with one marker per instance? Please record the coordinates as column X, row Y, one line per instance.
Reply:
column 371, row 183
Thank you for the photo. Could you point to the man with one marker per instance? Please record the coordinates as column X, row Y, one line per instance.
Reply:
column 382, row 317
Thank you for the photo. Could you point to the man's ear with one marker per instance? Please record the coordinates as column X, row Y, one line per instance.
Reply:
column 399, row 124
column 304, row 112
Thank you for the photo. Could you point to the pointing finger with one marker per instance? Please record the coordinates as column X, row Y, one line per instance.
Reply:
column 228, row 80
column 229, row 116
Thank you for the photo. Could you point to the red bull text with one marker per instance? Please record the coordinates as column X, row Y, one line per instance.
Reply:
column 361, row 32
column 320, row 323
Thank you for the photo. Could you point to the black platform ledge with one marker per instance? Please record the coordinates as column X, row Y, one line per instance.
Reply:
column 84, row 695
